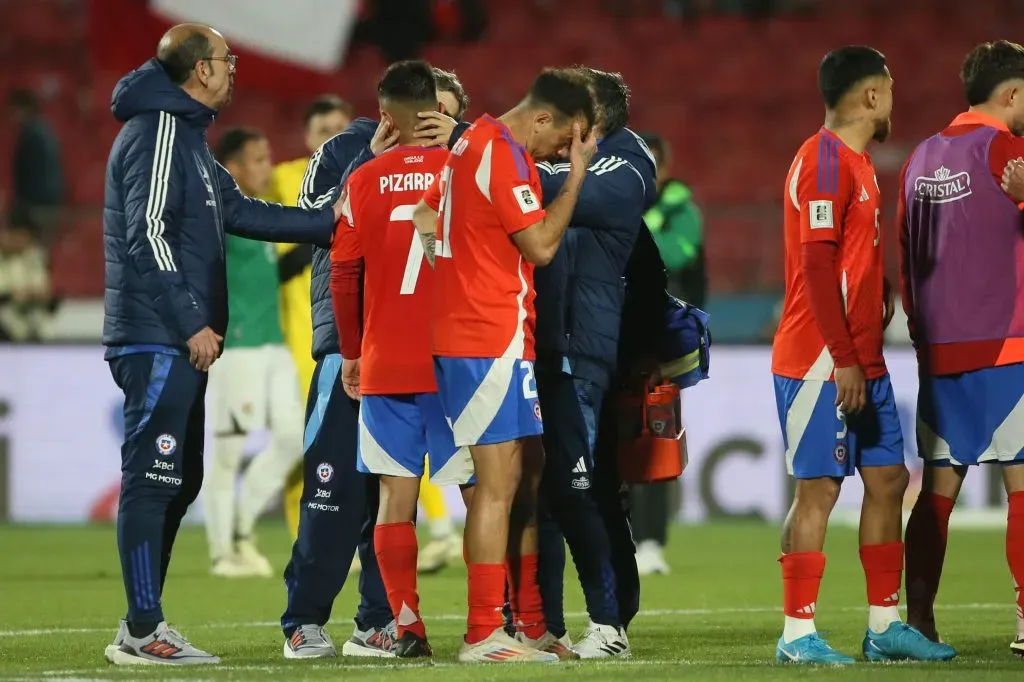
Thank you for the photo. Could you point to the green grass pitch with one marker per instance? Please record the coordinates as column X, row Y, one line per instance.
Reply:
column 716, row 617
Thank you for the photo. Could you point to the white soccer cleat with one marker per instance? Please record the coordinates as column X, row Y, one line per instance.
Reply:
column 164, row 646
column 650, row 560
column 559, row 646
column 309, row 641
column 500, row 648
column 251, row 557
column 603, row 641
column 438, row 553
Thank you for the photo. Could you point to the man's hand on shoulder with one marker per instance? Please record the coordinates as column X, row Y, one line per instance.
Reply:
column 203, row 348
column 435, row 128
column 1013, row 179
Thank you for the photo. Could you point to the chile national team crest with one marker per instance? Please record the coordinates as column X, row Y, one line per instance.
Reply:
column 840, row 453
column 166, row 444
column 536, row 410
column 325, row 472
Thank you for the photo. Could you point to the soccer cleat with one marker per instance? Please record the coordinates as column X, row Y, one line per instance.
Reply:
column 438, row 553
column 901, row 642
column 411, row 645
column 650, row 560
column 371, row 642
column 164, row 646
column 500, row 648
column 309, row 641
column 250, row 557
column 603, row 641
column 809, row 649
column 559, row 646
column 1017, row 647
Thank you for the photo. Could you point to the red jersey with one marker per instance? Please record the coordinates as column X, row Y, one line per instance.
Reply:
column 832, row 196
column 398, row 282
column 488, row 191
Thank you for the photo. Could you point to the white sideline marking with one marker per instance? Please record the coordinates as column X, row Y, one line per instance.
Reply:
column 653, row 613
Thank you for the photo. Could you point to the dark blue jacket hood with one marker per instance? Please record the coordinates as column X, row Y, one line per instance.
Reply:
column 149, row 89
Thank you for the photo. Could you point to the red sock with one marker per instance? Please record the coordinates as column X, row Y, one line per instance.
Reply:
column 925, row 542
column 486, row 597
column 524, row 593
column 801, row 578
column 883, row 570
column 396, row 548
column 1015, row 546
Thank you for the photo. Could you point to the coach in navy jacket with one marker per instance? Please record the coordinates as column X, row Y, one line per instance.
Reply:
column 580, row 298
column 166, row 208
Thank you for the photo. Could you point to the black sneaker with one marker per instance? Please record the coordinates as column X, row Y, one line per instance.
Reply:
column 1017, row 647
column 411, row 645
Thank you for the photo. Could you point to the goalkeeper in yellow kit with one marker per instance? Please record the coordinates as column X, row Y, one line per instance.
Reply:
column 324, row 118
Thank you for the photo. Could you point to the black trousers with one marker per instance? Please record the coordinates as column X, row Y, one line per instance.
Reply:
column 161, row 469
column 583, row 504
column 339, row 511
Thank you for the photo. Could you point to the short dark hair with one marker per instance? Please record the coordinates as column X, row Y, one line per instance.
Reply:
column 325, row 104
column 611, row 94
column 233, row 141
column 447, row 81
column 842, row 69
column 988, row 66
column 566, row 90
column 410, row 82
column 23, row 100
column 179, row 60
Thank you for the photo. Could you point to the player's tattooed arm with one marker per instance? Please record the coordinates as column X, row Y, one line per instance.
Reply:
column 425, row 220
column 429, row 240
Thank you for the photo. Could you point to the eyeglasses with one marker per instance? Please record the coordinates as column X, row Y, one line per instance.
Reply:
column 231, row 59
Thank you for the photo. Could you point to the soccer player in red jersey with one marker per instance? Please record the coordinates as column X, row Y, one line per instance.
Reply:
column 490, row 228
column 968, row 331
column 390, row 367
column 835, row 402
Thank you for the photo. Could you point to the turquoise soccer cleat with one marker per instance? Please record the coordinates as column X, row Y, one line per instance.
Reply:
column 902, row 642
column 810, row 649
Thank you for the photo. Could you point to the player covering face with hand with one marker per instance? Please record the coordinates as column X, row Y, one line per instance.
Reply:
column 836, row 404
column 484, row 222
column 390, row 367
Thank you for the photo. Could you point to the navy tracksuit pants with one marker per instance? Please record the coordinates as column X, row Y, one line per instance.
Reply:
column 339, row 511
column 584, row 502
column 161, row 469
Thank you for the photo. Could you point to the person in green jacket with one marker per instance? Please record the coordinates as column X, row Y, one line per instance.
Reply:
column 254, row 386
column 677, row 225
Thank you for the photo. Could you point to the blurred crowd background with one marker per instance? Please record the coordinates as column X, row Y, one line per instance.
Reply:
column 727, row 85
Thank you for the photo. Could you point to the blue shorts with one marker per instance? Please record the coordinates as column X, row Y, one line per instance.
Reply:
column 973, row 417
column 488, row 400
column 397, row 431
column 822, row 442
